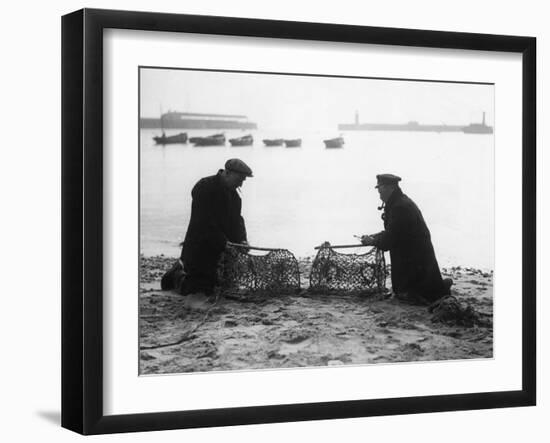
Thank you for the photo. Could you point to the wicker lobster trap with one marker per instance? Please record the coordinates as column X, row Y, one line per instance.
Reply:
column 333, row 271
column 274, row 272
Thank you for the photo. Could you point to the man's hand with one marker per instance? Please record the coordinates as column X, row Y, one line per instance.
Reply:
column 367, row 240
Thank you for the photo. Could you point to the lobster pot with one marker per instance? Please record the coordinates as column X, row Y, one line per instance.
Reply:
column 275, row 272
column 334, row 271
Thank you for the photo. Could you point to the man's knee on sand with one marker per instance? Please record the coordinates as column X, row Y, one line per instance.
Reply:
column 186, row 280
column 172, row 278
column 425, row 296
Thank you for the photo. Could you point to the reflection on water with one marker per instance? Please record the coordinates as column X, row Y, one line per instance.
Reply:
column 300, row 197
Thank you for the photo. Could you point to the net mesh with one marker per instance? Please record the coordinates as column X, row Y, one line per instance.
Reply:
column 276, row 271
column 335, row 271
column 453, row 312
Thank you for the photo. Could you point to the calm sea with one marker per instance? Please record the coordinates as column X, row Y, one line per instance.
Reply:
column 300, row 197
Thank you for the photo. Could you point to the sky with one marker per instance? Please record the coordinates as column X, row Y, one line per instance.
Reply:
column 287, row 101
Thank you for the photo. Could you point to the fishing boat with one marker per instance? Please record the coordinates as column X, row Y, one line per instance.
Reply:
column 211, row 140
column 246, row 140
column 273, row 142
column 334, row 142
column 294, row 143
column 171, row 139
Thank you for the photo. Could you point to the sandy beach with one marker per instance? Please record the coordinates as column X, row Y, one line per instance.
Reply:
column 252, row 331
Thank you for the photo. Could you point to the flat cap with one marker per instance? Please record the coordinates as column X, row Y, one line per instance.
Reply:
column 387, row 179
column 237, row 165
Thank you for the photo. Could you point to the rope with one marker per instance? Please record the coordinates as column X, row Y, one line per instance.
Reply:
column 187, row 335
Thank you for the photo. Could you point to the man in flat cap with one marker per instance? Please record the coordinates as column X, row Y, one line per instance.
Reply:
column 415, row 273
column 215, row 220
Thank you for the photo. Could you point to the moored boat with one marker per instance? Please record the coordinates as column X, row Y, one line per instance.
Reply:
column 211, row 140
column 171, row 139
column 294, row 143
column 246, row 140
column 337, row 142
column 273, row 142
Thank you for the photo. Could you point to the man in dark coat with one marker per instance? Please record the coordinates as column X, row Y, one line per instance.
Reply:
column 215, row 220
column 415, row 273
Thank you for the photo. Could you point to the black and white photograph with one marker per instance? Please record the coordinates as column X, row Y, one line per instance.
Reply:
column 290, row 220
column 275, row 221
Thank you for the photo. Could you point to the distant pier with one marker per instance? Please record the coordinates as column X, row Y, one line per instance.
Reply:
column 192, row 120
column 413, row 126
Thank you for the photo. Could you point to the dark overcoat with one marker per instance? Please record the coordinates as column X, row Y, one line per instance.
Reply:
column 414, row 268
column 215, row 219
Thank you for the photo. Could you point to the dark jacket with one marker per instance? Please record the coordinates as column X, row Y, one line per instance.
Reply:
column 215, row 219
column 414, row 268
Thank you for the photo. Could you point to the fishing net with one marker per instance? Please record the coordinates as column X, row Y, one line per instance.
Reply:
column 451, row 311
column 335, row 271
column 275, row 272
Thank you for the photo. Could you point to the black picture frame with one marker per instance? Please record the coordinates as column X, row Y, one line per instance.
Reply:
column 82, row 218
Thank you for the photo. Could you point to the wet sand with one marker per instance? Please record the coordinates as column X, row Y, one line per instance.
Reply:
column 239, row 331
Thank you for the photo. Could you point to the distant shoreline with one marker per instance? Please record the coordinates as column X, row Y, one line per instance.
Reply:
column 474, row 128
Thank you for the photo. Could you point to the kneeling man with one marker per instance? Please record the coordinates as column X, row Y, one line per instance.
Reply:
column 415, row 273
column 215, row 220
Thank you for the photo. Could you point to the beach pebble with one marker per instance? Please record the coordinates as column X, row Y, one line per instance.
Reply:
column 414, row 347
column 211, row 353
column 196, row 302
column 275, row 355
column 335, row 363
column 293, row 336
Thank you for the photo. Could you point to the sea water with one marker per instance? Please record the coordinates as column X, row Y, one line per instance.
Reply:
column 301, row 197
